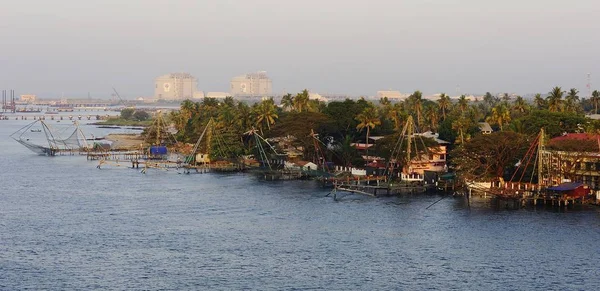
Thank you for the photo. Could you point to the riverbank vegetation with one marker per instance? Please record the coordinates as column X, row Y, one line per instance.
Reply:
column 129, row 117
column 340, row 124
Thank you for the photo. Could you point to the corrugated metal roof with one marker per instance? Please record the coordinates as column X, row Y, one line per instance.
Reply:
column 566, row 186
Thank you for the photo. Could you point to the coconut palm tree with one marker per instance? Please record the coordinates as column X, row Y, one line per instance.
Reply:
column 463, row 103
column 416, row 100
column 500, row 116
column 539, row 101
column 244, row 116
column 384, row 101
column 301, row 101
column 520, row 105
column 266, row 113
column 572, row 100
column 396, row 115
column 368, row 119
column 554, row 99
column 595, row 100
column 444, row 104
column 489, row 99
column 505, row 98
column 432, row 116
column 287, row 102
column 461, row 125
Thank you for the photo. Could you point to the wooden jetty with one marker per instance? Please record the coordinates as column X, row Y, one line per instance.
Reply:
column 375, row 186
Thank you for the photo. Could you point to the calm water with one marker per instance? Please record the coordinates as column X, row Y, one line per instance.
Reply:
column 66, row 225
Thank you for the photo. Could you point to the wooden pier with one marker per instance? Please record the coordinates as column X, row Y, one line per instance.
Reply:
column 375, row 186
column 116, row 155
column 523, row 195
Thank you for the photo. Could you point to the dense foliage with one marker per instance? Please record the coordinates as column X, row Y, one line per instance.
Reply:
column 340, row 124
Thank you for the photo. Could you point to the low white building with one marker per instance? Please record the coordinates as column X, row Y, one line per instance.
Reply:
column 394, row 95
column 301, row 165
column 219, row 95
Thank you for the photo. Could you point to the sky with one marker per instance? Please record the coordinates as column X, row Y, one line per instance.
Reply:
column 354, row 47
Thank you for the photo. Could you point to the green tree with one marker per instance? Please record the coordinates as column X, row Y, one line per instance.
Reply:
column 463, row 103
column 287, row 102
column 595, row 100
column 397, row 115
column 499, row 115
column 520, row 104
column 554, row 123
column 489, row 99
column 432, row 116
column 141, row 115
column 444, row 104
column 554, row 99
column 127, row 113
column 572, row 100
column 300, row 102
column 461, row 126
column 416, row 101
column 540, row 102
column 488, row 157
column 266, row 113
column 368, row 119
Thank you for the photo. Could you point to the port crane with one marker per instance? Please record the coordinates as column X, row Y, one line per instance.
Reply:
column 121, row 99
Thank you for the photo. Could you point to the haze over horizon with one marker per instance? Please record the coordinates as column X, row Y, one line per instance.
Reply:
column 73, row 47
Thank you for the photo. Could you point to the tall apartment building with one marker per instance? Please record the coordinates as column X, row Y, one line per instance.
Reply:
column 175, row 86
column 252, row 84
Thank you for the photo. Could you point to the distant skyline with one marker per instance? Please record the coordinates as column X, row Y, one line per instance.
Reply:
column 344, row 47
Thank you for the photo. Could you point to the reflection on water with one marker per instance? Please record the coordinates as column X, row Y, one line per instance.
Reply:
column 66, row 225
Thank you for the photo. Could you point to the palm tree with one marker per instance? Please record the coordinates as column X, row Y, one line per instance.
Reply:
column 395, row 114
column 300, row 102
column 188, row 108
column 539, row 101
column 463, row 103
column 444, row 103
column 461, row 125
column 314, row 105
column 488, row 98
column 505, row 98
column 287, row 102
column 595, row 100
column 266, row 113
column 369, row 119
column 416, row 100
column 555, row 99
column 244, row 116
column 384, row 101
column 431, row 114
column 572, row 100
column 520, row 105
column 500, row 116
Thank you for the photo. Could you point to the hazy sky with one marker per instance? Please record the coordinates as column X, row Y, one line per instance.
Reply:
column 328, row 46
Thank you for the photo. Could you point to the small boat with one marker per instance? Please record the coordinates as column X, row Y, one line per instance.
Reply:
column 51, row 112
column 36, row 130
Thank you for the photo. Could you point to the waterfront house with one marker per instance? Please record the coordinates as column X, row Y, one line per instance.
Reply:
column 573, row 157
column 570, row 190
column 306, row 165
column 434, row 160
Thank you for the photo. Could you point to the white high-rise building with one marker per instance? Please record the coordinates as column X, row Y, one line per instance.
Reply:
column 176, row 86
column 252, row 84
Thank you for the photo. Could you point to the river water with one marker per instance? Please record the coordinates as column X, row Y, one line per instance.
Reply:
column 66, row 225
